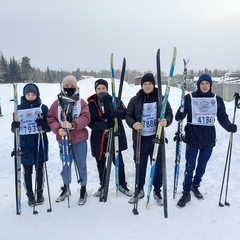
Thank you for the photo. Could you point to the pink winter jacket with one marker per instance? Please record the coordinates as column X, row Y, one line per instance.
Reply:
column 79, row 133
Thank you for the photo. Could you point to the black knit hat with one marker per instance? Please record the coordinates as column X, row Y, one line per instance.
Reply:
column 101, row 81
column 148, row 77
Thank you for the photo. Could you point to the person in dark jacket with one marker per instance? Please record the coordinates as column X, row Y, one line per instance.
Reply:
column 102, row 119
column 32, row 114
column 142, row 114
column 201, row 108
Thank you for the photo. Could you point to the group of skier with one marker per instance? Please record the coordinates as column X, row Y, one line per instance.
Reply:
column 69, row 116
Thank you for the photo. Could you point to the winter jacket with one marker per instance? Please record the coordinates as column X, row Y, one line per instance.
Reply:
column 202, row 136
column 79, row 133
column 135, row 108
column 29, row 143
column 100, row 125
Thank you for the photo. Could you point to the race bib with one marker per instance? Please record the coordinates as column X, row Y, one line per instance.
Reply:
column 204, row 111
column 27, row 119
column 149, row 119
column 75, row 114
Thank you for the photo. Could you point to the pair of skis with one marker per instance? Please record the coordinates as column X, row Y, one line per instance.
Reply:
column 179, row 135
column 112, row 149
column 17, row 154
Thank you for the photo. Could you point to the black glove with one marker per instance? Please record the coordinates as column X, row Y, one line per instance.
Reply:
column 116, row 113
column 179, row 116
column 232, row 128
column 105, row 115
column 110, row 123
column 41, row 123
column 15, row 124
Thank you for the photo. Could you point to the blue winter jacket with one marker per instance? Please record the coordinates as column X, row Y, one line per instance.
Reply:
column 29, row 142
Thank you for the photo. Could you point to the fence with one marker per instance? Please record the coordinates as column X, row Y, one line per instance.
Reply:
column 226, row 90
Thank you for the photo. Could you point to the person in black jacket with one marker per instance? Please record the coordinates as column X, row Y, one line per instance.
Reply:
column 32, row 114
column 143, row 114
column 102, row 114
column 201, row 108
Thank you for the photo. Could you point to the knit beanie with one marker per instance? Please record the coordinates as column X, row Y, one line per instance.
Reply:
column 204, row 77
column 31, row 88
column 99, row 82
column 70, row 80
column 148, row 77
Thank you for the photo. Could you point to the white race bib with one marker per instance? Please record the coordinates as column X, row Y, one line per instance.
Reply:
column 27, row 119
column 204, row 110
column 149, row 119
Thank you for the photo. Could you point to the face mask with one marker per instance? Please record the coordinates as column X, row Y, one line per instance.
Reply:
column 69, row 91
column 101, row 95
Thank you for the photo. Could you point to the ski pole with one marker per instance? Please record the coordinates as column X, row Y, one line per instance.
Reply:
column 46, row 172
column 228, row 159
column 107, row 168
column 137, row 164
column 36, row 175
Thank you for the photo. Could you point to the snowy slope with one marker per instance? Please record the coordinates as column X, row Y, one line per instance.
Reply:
column 114, row 219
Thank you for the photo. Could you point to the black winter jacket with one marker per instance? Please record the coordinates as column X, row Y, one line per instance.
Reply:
column 135, row 107
column 100, row 124
column 203, row 136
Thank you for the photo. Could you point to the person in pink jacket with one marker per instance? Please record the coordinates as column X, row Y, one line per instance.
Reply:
column 69, row 116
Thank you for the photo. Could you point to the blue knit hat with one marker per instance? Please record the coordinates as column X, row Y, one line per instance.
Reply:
column 31, row 88
column 204, row 77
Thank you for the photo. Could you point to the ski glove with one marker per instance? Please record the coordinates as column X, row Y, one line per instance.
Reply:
column 179, row 116
column 15, row 124
column 41, row 123
column 110, row 123
column 232, row 128
column 117, row 113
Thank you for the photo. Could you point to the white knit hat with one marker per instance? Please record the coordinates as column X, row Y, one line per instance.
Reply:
column 70, row 80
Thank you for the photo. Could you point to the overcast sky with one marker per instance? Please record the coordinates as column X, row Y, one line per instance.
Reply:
column 67, row 34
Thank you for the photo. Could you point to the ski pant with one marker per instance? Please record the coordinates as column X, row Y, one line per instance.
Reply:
column 28, row 170
column 146, row 150
column 195, row 155
column 101, row 167
column 80, row 150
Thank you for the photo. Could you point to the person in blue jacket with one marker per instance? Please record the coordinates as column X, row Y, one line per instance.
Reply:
column 32, row 115
column 201, row 108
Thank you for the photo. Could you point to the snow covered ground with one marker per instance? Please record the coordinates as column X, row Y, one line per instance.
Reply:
column 114, row 219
